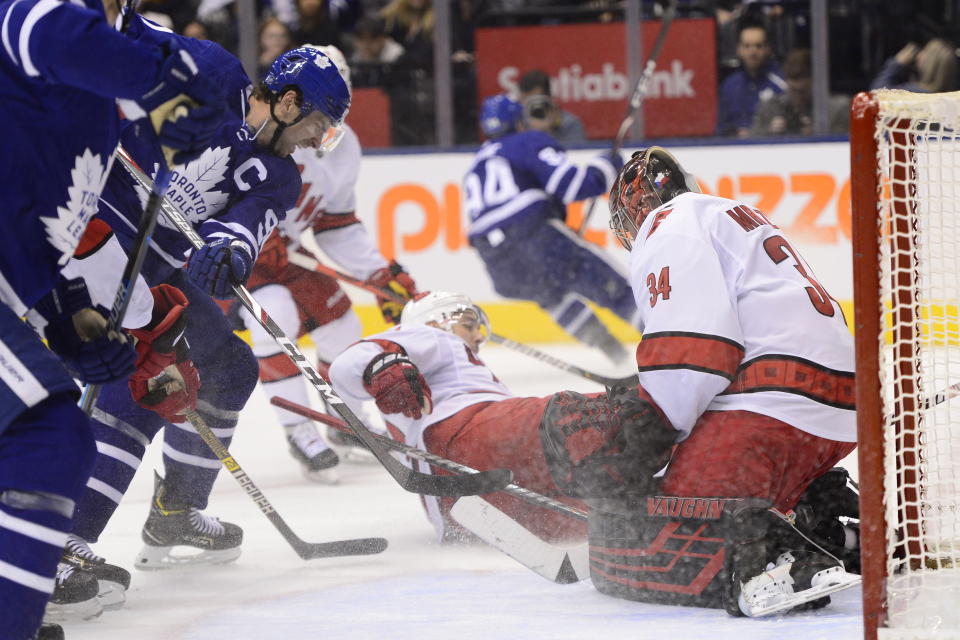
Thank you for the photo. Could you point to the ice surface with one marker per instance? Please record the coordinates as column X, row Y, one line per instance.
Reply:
column 416, row 589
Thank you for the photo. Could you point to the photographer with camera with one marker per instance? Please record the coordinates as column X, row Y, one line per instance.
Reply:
column 541, row 112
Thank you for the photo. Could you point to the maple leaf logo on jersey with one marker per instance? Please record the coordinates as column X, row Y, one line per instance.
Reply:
column 193, row 187
column 87, row 177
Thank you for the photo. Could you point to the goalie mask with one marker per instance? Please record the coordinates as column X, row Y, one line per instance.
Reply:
column 445, row 309
column 320, row 84
column 651, row 178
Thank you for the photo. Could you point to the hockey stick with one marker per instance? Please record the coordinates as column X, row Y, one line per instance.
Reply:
column 639, row 93
column 131, row 271
column 304, row 549
column 312, row 264
column 431, row 458
column 415, row 482
column 562, row 565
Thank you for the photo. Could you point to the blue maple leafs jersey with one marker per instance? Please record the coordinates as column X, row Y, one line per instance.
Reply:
column 528, row 174
column 61, row 69
column 234, row 189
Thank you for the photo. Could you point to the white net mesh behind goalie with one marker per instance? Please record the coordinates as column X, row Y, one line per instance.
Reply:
column 918, row 225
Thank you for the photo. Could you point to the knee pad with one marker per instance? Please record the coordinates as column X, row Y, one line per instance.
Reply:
column 335, row 336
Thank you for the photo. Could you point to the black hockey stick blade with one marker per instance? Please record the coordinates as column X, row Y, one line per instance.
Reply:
column 410, row 480
column 355, row 547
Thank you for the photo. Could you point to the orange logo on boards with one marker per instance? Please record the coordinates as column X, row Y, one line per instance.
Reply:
column 442, row 223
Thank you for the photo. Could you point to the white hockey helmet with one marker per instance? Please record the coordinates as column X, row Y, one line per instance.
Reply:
column 338, row 59
column 444, row 308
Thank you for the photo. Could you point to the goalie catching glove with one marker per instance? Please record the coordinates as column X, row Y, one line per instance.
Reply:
column 165, row 382
column 396, row 280
column 397, row 385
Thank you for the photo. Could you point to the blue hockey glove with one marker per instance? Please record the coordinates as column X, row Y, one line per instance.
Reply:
column 185, row 108
column 76, row 331
column 219, row 265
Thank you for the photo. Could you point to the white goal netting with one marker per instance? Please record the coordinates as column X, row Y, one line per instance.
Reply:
column 918, row 139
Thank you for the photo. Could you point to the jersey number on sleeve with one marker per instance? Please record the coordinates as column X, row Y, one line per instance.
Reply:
column 659, row 287
column 779, row 250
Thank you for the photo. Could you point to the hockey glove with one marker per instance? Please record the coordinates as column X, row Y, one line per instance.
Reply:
column 162, row 350
column 184, row 107
column 218, row 266
column 395, row 279
column 273, row 256
column 76, row 331
column 397, row 385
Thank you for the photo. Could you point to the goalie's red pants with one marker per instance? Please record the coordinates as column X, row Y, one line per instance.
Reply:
column 506, row 434
column 745, row 454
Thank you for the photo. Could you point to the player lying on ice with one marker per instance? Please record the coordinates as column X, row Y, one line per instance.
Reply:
column 303, row 301
column 234, row 193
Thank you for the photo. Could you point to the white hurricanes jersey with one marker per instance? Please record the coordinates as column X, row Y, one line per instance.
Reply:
column 327, row 205
column 734, row 319
column 456, row 376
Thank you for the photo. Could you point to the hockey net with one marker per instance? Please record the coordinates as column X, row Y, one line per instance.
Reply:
column 905, row 163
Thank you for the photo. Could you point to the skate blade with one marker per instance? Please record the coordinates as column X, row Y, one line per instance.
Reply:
column 153, row 558
column 830, row 581
column 73, row 611
column 112, row 595
column 324, row 476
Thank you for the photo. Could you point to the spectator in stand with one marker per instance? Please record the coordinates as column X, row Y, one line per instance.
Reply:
column 791, row 113
column 410, row 23
column 757, row 81
column 534, row 95
column 371, row 45
column 275, row 38
column 196, row 29
column 932, row 69
column 321, row 23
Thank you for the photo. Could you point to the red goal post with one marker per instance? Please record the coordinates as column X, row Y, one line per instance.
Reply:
column 905, row 190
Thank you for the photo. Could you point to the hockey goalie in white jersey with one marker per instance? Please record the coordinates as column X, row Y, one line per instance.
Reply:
column 749, row 360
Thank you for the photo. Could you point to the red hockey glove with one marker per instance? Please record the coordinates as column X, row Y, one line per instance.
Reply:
column 397, row 385
column 162, row 350
column 395, row 279
column 273, row 256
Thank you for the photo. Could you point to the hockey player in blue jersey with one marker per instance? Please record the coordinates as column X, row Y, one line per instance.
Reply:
column 516, row 195
column 235, row 194
column 62, row 69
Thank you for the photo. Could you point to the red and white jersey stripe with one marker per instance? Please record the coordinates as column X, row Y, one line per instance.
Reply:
column 735, row 319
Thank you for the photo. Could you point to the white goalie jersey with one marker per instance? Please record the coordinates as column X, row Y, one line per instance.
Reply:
column 327, row 205
column 733, row 318
column 456, row 377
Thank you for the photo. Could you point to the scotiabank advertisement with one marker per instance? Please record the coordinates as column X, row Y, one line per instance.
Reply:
column 589, row 73
column 412, row 205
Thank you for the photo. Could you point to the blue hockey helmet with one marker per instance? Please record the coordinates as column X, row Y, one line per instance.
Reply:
column 499, row 115
column 318, row 80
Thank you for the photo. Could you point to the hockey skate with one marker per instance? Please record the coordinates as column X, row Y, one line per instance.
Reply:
column 170, row 526
column 49, row 632
column 797, row 578
column 317, row 460
column 350, row 448
column 74, row 596
column 113, row 580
